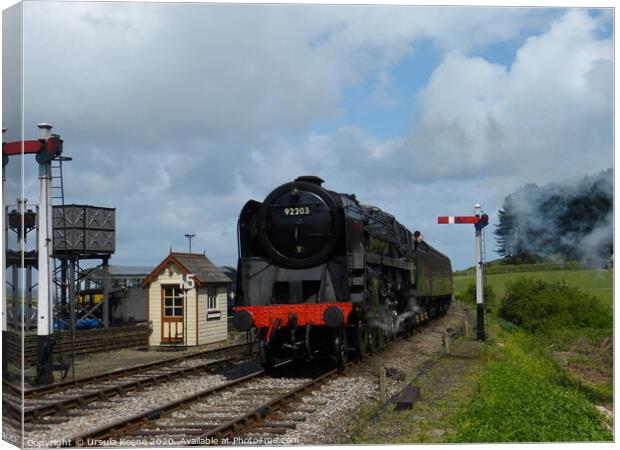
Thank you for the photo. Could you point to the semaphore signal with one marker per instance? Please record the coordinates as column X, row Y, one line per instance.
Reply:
column 479, row 221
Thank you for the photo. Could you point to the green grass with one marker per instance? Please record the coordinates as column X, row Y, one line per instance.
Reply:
column 580, row 346
column 524, row 396
column 595, row 282
column 497, row 267
column 540, row 384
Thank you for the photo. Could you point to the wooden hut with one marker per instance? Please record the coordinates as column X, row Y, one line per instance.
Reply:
column 182, row 311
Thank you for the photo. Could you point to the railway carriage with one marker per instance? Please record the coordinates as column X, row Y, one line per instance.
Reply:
column 320, row 274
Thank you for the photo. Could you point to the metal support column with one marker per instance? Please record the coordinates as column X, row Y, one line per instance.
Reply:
column 14, row 296
column 19, row 314
column 28, row 307
column 106, row 293
column 72, row 305
column 63, row 288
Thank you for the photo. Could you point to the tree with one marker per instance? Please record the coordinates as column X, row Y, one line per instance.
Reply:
column 569, row 221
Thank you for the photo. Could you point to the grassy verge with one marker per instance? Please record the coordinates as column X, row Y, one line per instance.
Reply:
column 445, row 387
column 546, row 368
column 508, row 389
column 524, row 396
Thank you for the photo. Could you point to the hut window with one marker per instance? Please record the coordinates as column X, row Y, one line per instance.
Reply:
column 173, row 301
column 211, row 298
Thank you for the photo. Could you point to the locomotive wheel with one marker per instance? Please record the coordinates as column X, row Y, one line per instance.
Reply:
column 264, row 354
column 380, row 337
column 391, row 332
column 340, row 347
column 374, row 339
column 362, row 337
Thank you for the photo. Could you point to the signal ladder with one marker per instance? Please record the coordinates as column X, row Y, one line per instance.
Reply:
column 59, row 275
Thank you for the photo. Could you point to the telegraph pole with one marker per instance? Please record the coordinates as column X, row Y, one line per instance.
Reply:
column 190, row 236
column 479, row 221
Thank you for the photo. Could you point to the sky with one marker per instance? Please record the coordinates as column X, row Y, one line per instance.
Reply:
column 177, row 114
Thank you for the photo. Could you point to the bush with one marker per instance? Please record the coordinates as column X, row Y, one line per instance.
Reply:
column 537, row 305
column 469, row 296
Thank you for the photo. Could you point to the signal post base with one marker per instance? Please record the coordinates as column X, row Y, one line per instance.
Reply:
column 45, row 359
column 480, row 334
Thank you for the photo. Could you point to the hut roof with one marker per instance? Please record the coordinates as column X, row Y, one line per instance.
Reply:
column 205, row 272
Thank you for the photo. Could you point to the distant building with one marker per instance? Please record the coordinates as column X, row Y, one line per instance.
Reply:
column 195, row 316
column 127, row 298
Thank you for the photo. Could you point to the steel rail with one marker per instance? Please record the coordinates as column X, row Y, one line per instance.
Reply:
column 117, row 373
column 242, row 423
column 36, row 413
column 135, row 421
column 146, row 421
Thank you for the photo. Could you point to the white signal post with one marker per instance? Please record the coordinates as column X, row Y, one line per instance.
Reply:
column 4, row 250
column 479, row 221
column 5, row 363
column 45, row 294
column 44, row 320
column 46, row 148
column 479, row 278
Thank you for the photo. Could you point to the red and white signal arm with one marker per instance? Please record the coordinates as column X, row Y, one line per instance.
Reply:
column 481, row 221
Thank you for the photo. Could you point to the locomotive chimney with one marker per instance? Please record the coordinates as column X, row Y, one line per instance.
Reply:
column 310, row 179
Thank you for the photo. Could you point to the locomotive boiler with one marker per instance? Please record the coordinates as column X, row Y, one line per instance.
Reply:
column 320, row 274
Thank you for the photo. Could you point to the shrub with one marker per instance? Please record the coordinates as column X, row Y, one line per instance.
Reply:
column 537, row 305
column 469, row 296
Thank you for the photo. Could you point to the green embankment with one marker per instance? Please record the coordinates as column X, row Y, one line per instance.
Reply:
column 545, row 373
column 549, row 358
column 523, row 395
column 596, row 282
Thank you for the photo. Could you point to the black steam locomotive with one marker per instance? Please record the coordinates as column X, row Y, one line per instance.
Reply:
column 321, row 274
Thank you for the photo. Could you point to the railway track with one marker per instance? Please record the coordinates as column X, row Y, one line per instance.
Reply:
column 212, row 416
column 237, row 412
column 226, row 411
column 59, row 399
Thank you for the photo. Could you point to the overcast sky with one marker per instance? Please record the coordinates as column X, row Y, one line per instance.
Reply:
column 177, row 114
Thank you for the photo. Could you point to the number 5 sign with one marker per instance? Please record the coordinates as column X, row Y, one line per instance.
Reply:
column 187, row 281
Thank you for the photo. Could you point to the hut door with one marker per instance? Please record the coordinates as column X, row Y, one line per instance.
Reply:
column 172, row 314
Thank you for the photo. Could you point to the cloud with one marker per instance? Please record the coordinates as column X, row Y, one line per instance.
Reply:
column 178, row 114
column 551, row 105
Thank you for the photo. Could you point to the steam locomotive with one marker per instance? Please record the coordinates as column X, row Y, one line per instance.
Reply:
column 321, row 274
